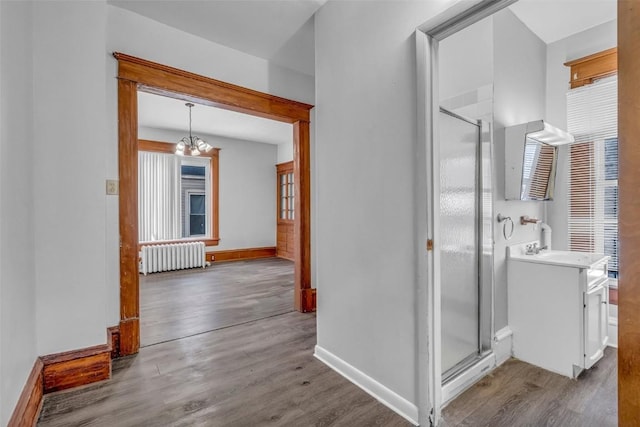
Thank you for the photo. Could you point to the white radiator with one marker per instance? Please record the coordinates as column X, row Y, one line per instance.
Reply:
column 174, row 256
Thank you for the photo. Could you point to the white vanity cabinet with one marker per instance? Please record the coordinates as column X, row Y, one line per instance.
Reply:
column 558, row 308
column 596, row 322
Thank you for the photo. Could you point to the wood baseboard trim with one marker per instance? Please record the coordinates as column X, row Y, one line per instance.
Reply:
column 113, row 341
column 77, row 367
column 242, row 254
column 62, row 371
column 309, row 300
column 27, row 409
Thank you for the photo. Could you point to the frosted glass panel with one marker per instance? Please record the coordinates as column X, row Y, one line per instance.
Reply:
column 459, row 148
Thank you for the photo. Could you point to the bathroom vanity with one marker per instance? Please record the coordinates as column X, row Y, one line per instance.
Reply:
column 558, row 307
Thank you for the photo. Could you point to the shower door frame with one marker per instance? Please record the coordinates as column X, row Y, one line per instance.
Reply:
column 428, row 292
column 484, row 263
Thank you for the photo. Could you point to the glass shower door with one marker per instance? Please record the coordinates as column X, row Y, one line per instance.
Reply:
column 459, row 241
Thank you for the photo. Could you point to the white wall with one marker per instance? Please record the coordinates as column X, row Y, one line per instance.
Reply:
column 365, row 144
column 466, row 60
column 285, row 152
column 70, row 142
column 247, row 189
column 17, row 277
column 519, row 97
column 577, row 46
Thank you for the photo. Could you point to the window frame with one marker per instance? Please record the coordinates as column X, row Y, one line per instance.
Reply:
column 285, row 169
column 595, row 151
column 214, row 158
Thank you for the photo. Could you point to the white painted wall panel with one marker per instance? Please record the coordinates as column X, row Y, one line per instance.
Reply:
column 519, row 97
column 17, row 278
column 70, row 142
column 365, row 145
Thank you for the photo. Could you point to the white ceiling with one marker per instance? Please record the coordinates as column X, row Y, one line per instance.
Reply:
column 282, row 31
column 553, row 20
column 259, row 27
column 167, row 113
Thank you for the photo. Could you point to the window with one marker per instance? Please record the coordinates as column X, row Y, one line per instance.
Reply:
column 593, row 181
column 285, row 192
column 177, row 195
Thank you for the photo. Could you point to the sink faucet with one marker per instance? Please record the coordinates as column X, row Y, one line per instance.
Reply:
column 534, row 249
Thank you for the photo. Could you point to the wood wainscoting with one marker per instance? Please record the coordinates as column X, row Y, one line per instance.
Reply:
column 241, row 254
column 63, row 371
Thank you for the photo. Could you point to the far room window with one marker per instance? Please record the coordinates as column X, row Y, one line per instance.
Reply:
column 593, row 181
column 285, row 192
column 177, row 195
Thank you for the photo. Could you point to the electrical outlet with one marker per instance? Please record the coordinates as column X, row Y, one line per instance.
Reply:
column 112, row 187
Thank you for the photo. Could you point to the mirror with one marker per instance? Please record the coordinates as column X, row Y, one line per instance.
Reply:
column 531, row 156
column 538, row 170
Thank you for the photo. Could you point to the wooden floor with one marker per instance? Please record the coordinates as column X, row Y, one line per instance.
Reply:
column 254, row 367
column 188, row 302
column 260, row 373
column 519, row 394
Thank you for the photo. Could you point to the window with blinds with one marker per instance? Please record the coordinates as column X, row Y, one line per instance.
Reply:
column 592, row 118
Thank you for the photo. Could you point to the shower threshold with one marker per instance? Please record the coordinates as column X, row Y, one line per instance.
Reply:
column 465, row 374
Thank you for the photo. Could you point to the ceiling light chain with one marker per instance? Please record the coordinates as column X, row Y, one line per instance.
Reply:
column 194, row 144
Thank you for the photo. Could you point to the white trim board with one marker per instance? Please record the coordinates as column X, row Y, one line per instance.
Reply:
column 384, row 395
column 502, row 346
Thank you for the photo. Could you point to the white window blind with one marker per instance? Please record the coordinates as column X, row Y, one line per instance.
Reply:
column 592, row 118
column 158, row 196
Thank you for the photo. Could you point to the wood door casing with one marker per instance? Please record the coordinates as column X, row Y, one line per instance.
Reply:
column 285, row 242
column 138, row 74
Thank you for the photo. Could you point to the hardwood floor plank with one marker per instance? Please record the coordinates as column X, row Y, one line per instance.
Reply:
column 519, row 394
column 187, row 302
column 257, row 373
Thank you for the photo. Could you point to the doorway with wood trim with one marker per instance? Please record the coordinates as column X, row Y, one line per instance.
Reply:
column 136, row 74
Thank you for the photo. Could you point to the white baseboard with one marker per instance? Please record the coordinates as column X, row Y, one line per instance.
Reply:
column 502, row 346
column 384, row 395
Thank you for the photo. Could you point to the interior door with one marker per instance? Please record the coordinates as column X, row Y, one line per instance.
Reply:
column 459, row 248
column 596, row 324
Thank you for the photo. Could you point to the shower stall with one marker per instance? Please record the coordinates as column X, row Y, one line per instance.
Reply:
column 466, row 245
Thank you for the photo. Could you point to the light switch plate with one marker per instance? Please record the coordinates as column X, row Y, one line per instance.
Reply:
column 112, row 187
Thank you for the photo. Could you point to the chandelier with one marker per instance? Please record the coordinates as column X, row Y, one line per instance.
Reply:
column 194, row 144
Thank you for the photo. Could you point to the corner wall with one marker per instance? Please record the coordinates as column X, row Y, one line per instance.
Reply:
column 365, row 130
column 17, row 278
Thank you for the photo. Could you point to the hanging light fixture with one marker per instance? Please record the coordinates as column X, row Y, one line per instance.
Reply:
column 194, row 144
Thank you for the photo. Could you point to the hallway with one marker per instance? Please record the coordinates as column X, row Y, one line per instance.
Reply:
column 257, row 373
